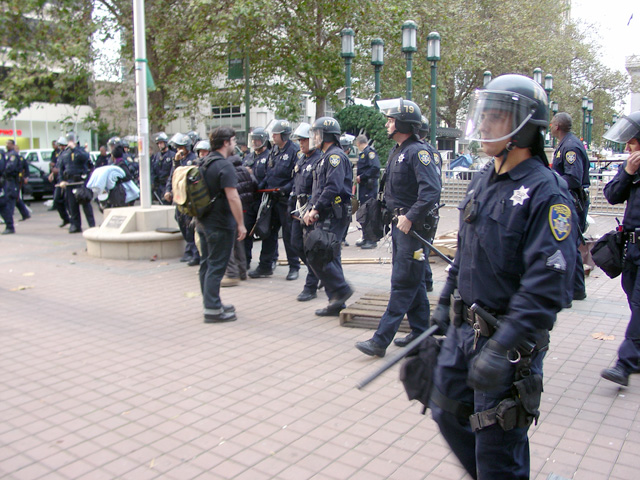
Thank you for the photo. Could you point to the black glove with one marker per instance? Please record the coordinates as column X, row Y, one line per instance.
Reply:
column 440, row 317
column 490, row 368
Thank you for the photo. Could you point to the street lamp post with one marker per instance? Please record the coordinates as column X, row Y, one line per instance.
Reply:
column 377, row 60
column 486, row 78
column 409, row 45
column 348, row 54
column 433, row 56
column 554, row 110
column 548, row 87
column 589, row 122
column 585, row 103
column 537, row 75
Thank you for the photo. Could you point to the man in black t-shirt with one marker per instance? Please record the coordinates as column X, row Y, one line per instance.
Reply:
column 218, row 227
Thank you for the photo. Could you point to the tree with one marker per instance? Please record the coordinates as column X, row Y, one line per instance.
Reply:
column 357, row 119
column 46, row 55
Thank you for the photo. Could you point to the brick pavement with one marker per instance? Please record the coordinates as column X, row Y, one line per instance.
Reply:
column 109, row 372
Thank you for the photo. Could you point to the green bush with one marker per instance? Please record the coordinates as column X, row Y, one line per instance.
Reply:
column 357, row 119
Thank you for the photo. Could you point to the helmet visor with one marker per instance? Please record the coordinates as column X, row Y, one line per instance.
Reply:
column 622, row 131
column 302, row 131
column 495, row 116
column 392, row 106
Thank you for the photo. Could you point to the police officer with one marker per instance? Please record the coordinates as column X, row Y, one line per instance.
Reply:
column 279, row 175
column 184, row 157
column 300, row 197
column 367, row 176
column 10, row 167
column 625, row 186
column 59, row 200
column 256, row 162
column 331, row 194
column 571, row 162
column 161, row 164
column 515, row 255
column 74, row 164
column 412, row 189
column 103, row 157
column 23, row 178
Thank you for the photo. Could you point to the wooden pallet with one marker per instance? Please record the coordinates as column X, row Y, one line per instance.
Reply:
column 367, row 311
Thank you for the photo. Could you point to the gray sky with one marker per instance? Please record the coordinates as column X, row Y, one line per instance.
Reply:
column 618, row 36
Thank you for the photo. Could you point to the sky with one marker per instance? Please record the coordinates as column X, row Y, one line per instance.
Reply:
column 618, row 36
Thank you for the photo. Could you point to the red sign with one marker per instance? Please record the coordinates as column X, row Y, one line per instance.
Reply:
column 9, row 133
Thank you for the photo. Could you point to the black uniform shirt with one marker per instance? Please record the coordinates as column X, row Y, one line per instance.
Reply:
column 303, row 172
column 332, row 180
column 571, row 162
column 413, row 180
column 257, row 164
column 516, row 247
column 368, row 165
column 280, row 168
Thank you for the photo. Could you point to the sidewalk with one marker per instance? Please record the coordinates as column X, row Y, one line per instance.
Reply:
column 109, row 372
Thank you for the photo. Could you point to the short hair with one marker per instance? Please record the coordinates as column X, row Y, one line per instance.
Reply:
column 564, row 121
column 362, row 139
column 220, row 135
column 11, row 141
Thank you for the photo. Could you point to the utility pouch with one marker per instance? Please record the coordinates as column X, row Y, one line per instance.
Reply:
column 336, row 208
column 529, row 391
column 507, row 414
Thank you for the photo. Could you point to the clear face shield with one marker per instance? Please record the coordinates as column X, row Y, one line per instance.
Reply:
column 496, row 116
column 316, row 137
column 622, row 131
column 390, row 106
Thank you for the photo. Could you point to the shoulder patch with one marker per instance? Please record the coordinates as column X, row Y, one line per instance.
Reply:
column 372, row 155
column 571, row 157
column 436, row 158
column 424, row 157
column 300, row 154
column 334, row 160
column 560, row 221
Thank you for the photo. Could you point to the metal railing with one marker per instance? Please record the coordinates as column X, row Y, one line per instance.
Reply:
column 455, row 183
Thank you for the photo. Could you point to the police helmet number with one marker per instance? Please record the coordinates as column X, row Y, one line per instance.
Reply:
column 329, row 123
column 408, row 108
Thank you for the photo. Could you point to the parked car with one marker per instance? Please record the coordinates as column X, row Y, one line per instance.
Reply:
column 40, row 158
column 38, row 185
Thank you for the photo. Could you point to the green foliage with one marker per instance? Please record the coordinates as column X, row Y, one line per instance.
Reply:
column 358, row 119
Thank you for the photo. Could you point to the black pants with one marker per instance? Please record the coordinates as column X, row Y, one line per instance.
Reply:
column 74, row 210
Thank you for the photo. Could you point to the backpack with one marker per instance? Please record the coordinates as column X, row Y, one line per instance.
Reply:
column 190, row 190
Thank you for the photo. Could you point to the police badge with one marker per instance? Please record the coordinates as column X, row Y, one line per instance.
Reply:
column 560, row 221
column 424, row 157
column 571, row 157
column 372, row 155
column 334, row 160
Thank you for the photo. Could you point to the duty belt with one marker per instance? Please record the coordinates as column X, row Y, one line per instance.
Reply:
column 400, row 211
column 461, row 312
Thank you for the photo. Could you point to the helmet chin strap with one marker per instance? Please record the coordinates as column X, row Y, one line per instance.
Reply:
column 504, row 154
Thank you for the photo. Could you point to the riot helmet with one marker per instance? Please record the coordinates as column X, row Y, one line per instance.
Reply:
column 283, row 127
column 179, row 140
column 260, row 135
column 515, row 107
column 423, row 131
column 194, row 137
column 62, row 141
column 324, row 129
column 202, row 145
column 71, row 137
column 407, row 115
column 162, row 137
column 303, row 131
column 346, row 142
column 624, row 129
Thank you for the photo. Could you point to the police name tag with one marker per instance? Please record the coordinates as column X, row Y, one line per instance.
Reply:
column 560, row 221
column 424, row 157
column 334, row 160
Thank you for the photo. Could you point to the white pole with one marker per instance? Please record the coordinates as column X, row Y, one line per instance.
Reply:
column 141, row 101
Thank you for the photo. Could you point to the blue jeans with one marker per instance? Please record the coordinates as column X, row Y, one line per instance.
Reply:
column 216, row 244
